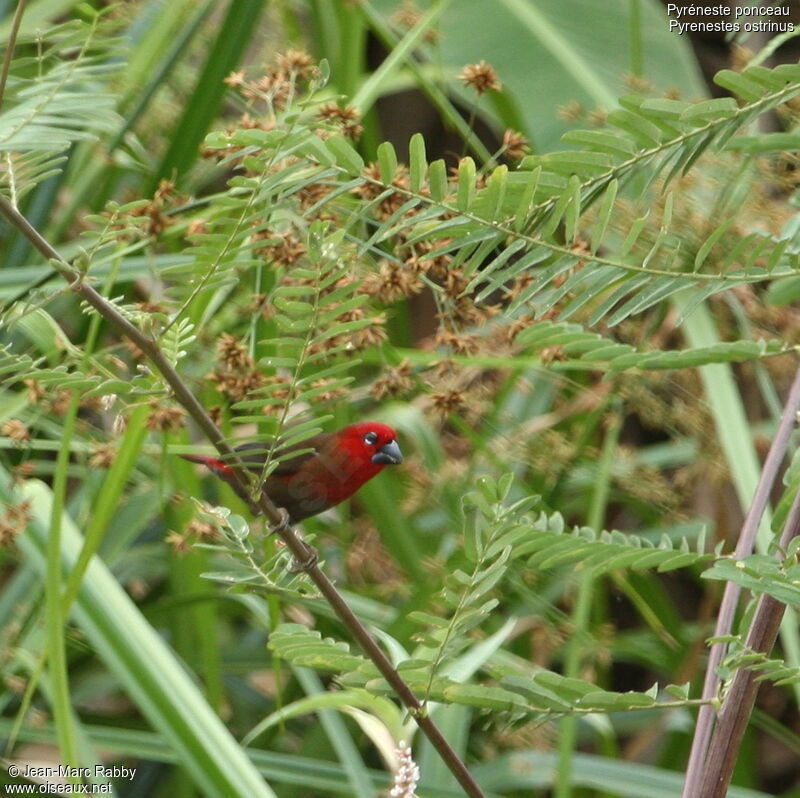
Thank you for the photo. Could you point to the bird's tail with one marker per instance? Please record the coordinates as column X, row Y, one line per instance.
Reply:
column 213, row 463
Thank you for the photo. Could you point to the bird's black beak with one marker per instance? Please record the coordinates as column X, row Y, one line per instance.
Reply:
column 388, row 454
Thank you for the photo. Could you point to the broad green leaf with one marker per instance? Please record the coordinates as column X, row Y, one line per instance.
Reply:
column 438, row 180
column 387, row 162
column 418, row 165
column 766, row 142
column 466, row 184
column 345, row 154
column 736, row 82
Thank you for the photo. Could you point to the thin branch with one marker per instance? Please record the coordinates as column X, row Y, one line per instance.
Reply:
column 738, row 705
column 305, row 555
column 705, row 719
column 10, row 46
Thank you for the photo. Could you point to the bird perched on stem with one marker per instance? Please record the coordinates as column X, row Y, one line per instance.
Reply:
column 336, row 466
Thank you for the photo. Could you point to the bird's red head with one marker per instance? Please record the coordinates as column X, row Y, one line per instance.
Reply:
column 371, row 444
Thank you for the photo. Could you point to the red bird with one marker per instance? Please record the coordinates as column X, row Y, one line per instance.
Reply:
column 309, row 483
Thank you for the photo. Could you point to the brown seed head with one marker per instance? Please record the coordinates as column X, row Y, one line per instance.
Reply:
column 347, row 118
column 17, row 430
column 334, row 394
column 391, row 283
column 447, row 402
column 201, row 530
column 460, row 344
column 233, row 354
column 598, row 116
column 573, row 111
column 36, row 391
column 298, row 62
column 409, row 15
column 235, row 78
column 481, row 77
column 165, row 419
column 237, row 386
column 103, row 455
column 515, row 145
column 180, row 543
column 393, row 382
column 373, row 335
column 284, row 249
column 275, row 87
column 13, row 521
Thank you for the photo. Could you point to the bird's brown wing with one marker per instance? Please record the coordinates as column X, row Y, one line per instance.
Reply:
column 301, row 498
column 253, row 454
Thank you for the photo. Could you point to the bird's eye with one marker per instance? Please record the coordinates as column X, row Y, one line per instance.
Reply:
column 371, row 438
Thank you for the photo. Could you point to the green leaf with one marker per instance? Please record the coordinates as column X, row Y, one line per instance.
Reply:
column 765, row 142
column 604, row 215
column 483, row 697
column 665, row 108
column 438, row 180
column 547, row 546
column 317, row 150
column 302, row 646
column 601, row 141
column 573, row 162
column 784, row 291
column 564, row 201
column 418, row 166
column 489, row 202
column 737, row 83
column 701, row 112
column 526, row 199
column 466, row 184
column 387, row 162
column 760, row 573
column 573, row 210
column 345, row 155
column 601, row 701
column 340, row 699
column 634, row 233
column 643, row 131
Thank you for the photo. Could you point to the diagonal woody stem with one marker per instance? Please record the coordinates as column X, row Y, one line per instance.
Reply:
column 738, row 704
column 705, row 719
column 305, row 555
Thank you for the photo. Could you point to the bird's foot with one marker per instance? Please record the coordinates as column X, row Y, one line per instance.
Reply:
column 309, row 561
column 310, row 557
column 282, row 526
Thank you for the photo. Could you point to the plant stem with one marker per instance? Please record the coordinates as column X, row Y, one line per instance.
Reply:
column 10, row 45
column 705, row 719
column 305, row 555
column 738, row 705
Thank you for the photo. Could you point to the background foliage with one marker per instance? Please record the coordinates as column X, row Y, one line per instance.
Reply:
column 568, row 284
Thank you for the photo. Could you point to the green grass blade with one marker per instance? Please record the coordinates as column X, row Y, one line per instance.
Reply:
column 108, row 498
column 155, row 680
column 235, row 34
column 56, row 651
column 397, row 59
